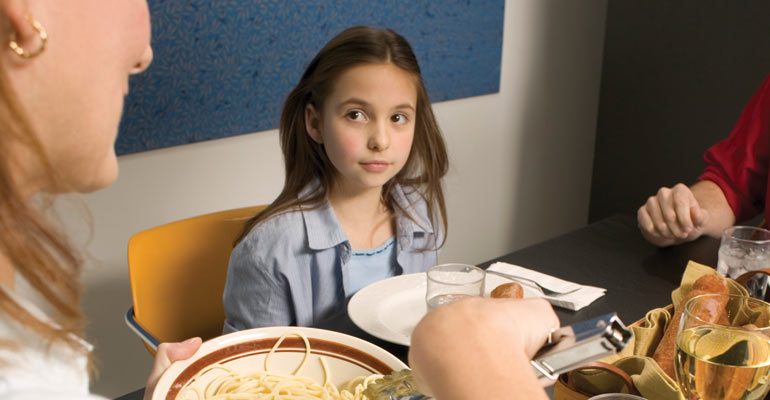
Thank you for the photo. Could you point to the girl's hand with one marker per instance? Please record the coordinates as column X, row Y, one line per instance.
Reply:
column 168, row 353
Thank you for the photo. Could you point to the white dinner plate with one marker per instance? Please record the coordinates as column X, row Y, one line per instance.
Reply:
column 347, row 357
column 390, row 309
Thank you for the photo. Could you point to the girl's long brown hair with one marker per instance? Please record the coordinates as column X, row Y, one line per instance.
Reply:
column 306, row 161
column 35, row 249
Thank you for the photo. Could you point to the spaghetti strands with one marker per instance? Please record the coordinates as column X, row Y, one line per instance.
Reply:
column 266, row 385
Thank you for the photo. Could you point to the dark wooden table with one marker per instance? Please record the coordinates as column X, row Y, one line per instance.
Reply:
column 610, row 254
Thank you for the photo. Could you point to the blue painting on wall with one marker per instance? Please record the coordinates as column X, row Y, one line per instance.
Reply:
column 224, row 67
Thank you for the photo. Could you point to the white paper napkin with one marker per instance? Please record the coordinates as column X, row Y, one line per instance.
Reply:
column 573, row 301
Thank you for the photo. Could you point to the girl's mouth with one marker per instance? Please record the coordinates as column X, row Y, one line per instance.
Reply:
column 375, row 166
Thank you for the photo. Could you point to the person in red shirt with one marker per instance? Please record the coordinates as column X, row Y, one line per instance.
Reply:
column 732, row 188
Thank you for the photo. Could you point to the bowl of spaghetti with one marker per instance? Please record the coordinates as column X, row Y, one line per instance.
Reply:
column 277, row 362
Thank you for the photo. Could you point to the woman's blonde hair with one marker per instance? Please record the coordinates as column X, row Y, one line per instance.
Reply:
column 305, row 161
column 34, row 248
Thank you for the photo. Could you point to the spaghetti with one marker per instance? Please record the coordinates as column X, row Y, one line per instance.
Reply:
column 266, row 385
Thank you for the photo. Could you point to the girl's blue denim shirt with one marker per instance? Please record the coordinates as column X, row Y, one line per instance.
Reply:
column 292, row 268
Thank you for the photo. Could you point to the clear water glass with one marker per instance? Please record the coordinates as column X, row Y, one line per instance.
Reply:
column 743, row 249
column 452, row 282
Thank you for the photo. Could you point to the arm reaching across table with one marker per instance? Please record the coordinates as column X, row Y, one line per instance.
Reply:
column 481, row 348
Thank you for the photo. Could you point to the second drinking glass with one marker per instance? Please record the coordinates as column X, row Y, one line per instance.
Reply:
column 452, row 282
column 723, row 348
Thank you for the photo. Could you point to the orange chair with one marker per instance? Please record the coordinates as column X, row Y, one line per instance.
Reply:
column 177, row 274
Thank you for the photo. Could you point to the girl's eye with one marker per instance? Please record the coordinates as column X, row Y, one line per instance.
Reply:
column 399, row 118
column 355, row 115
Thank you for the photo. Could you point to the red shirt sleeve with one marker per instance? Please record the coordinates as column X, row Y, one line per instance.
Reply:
column 739, row 163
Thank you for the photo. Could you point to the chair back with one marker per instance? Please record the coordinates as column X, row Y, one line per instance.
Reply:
column 178, row 271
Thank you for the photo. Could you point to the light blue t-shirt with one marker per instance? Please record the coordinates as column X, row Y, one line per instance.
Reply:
column 369, row 266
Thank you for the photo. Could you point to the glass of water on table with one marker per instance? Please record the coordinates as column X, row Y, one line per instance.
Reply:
column 744, row 249
column 452, row 282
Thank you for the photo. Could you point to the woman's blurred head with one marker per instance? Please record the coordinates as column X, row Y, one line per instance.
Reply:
column 59, row 114
column 71, row 94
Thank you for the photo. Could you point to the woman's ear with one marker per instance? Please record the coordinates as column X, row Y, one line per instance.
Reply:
column 313, row 123
column 16, row 18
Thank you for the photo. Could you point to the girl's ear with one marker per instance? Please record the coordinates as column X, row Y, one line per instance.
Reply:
column 313, row 123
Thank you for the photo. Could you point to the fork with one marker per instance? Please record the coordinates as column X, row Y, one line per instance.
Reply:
column 533, row 284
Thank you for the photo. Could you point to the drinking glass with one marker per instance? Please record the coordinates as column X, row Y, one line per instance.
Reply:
column 452, row 282
column 743, row 249
column 728, row 359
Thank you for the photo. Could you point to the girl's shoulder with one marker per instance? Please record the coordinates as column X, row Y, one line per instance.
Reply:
column 407, row 193
column 279, row 234
column 295, row 232
column 409, row 199
column 277, row 225
column 413, row 212
column 285, row 228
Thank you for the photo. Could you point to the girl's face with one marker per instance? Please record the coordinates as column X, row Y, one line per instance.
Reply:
column 73, row 91
column 366, row 125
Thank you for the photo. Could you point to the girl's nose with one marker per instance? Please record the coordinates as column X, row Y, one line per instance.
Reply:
column 379, row 138
column 144, row 61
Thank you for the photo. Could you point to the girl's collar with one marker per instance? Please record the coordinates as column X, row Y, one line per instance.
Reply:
column 324, row 231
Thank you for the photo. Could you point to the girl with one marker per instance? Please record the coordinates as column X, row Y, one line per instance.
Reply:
column 362, row 200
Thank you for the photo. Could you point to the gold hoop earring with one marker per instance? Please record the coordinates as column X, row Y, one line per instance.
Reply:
column 20, row 50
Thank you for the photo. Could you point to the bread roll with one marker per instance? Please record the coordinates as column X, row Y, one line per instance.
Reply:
column 708, row 284
column 510, row 290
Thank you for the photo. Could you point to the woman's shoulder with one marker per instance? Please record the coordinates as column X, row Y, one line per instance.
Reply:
column 29, row 362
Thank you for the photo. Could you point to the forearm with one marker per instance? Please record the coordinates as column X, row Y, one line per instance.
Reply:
column 494, row 377
column 710, row 198
column 480, row 349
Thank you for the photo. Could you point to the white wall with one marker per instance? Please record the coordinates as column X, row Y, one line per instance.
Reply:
column 521, row 165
